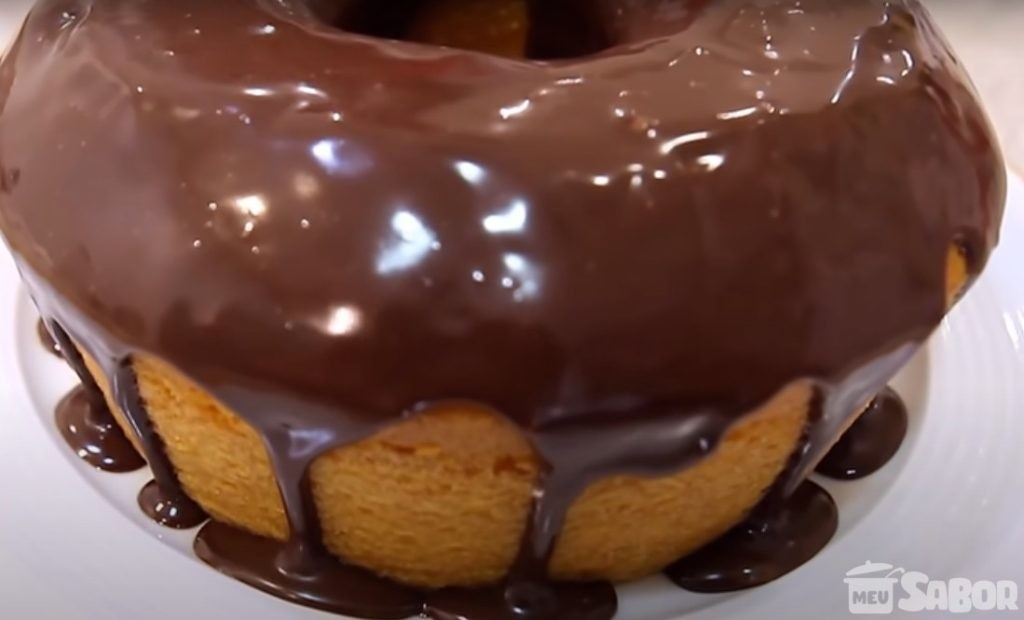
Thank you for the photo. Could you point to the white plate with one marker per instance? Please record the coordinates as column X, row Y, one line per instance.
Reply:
column 74, row 544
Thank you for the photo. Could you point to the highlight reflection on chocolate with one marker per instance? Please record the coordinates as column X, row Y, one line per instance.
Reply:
column 169, row 510
column 91, row 432
column 730, row 208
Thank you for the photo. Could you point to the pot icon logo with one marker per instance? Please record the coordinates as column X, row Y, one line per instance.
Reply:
column 871, row 588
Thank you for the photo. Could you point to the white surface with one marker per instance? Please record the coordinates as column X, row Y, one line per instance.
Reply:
column 73, row 544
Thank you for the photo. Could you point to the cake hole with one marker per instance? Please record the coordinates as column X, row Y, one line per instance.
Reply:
column 526, row 29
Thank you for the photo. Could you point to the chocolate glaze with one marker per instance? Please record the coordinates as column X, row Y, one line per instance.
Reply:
column 87, row 426
column 169, row 510
column 870, row 442
column 45, row 339
column 622, row 253
column 765, row 547
column 565, row 601
column 99, row 431
column 84, row 419
column 322, row 582
column 327, row 584
column 163, row 499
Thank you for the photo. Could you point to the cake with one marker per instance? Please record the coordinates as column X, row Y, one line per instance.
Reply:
column 473, row 307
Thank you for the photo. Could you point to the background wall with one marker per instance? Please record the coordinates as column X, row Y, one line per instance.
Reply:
column 989, row 37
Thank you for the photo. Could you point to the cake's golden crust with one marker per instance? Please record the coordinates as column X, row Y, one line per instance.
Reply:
column 442, row 499
column 956, row 274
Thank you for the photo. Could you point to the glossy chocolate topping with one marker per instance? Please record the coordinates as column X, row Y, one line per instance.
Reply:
column 45, row 339
column 90, row 431
column 327, row 584
column 763, row 548
column 330, row 231
column 213, row 182
column 168, row 509
column 872, row 440
column 82, row 416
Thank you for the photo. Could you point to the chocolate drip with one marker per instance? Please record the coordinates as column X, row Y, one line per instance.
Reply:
column 86, row 423
column 168, row 504
column 83, row 417
column 790, row 526
column 779, row 538
column 303, row 555
column 49, row 344
column 167, row 510
column 335, row 587
column 623, row 254
column 324, row 583
column 88, row 428
column 836, row 404
column 74, row 359
column 870, row 442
